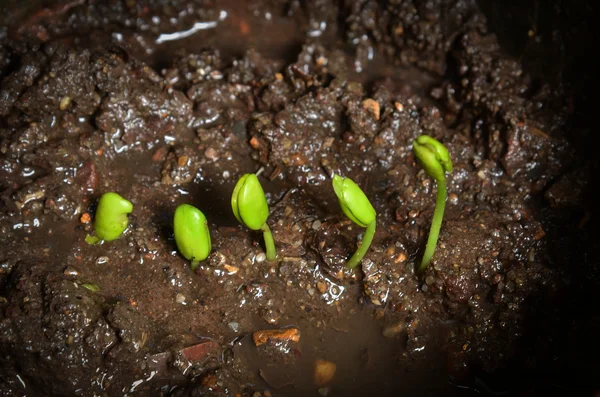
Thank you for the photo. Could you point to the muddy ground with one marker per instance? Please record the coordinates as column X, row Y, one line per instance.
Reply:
column 169, row 103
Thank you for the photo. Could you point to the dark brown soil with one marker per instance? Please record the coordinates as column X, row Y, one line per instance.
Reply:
column 171, row 102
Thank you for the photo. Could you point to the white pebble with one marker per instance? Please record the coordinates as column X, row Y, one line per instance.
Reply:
column 261, row 257
column 180, row 298
column 316, row 225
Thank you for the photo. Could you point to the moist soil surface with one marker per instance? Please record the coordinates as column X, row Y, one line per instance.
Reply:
column 171, row 102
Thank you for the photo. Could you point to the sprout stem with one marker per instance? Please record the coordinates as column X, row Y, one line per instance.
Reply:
column 269, row 242
column 436, row 224
column 363, row 247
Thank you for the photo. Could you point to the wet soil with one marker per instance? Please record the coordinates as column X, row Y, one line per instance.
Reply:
column 171, row 102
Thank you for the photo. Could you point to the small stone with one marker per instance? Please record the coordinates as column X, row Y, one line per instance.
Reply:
column 324, row 372
column 183, row 160
column 453, row 198
column 211, row 154
column 101, row 260
column 70, row 271
column 372, row 106
column 399, row 107
column 539, row 234
column 261, row 257
column 321, row 287
column 64, row 102
column 180, row 298
column 400, row 258
column 390, row 251
column 413, row 213
column 235, row 327
column 231, row 269
column 276, row 335
column 200, row 351
column 316, row 225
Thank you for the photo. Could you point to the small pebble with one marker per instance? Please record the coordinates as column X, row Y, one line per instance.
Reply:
column 211, row 154
column 231, row 269
column 372, row 106
column 413, row 213
column 235, row 327
column 261, row 257
column 322, row 287
column 70, row 271
column 102, row 260
column 183, row 160
column 316, row 225
column 453, row 198
column 180, row 298
column 64, row 102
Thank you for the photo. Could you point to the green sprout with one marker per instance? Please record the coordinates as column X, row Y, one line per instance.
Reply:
column 435, row 159
column 111, row 218
column 358, row 208
column 191, row 234
column 91, row 286
column 250, row 207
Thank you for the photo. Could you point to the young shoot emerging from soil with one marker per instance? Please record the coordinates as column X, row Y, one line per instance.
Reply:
column 250, row 207
column 435, row 160
column 191, row 234
column 111, row 218
column 358, row 208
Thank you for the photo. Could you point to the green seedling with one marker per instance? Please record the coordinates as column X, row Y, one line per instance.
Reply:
column 435, row 160
column 358, row 208
column 111, row 218
column 191, row 234
column 250, row 207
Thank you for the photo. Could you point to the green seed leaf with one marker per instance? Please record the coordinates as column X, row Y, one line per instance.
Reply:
column 191, row 233
column 111, row 216
column 249, row 203
column 91, row 286
column 92, row 240
column 433, row 156
column 353, row 201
